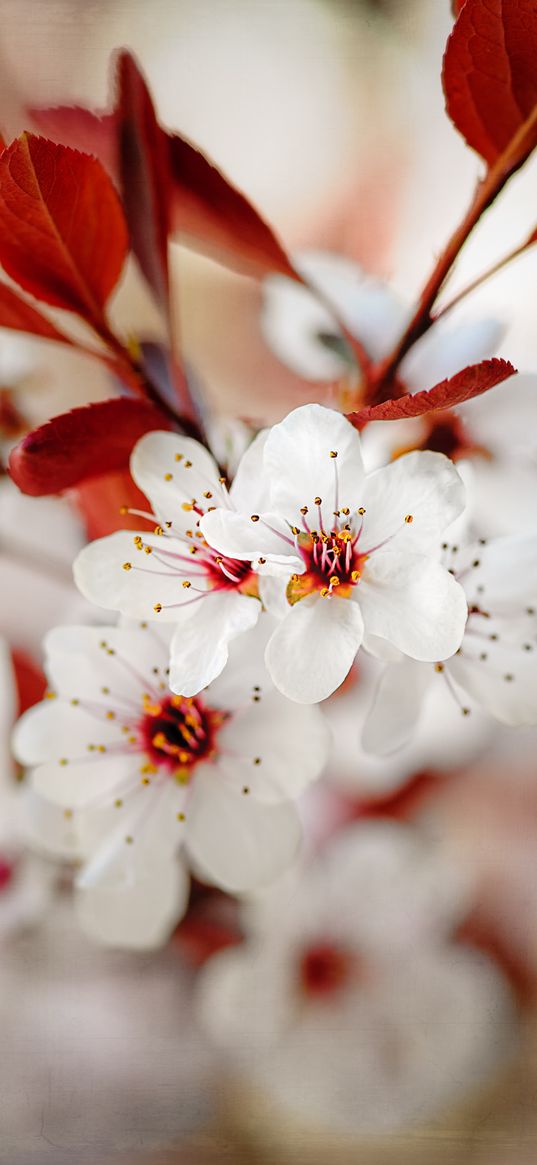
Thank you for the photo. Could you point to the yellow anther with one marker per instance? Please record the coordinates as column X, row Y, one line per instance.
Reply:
column 158, row 530
column 180, row 817
column 101, row 747
column 207, row 494
column 345, row 510
column 334, row 581
column 333, row 452
column 409, row 518
column 439, row 667
column 188, row 465
column 257, row 760
column 245, row 789
column 168, row 477
column 303, row 509
column 355, row 575
column 74, row 701
column 254, row 517
column 129, row 840
column 127, row 566
column 105, row 691
column 186, row 584
column 148, row 549
column 50, row 695
column 187, row 506
column 137, row 540
column 178, row 456
column 110, row 715
column 145, row 781
column 361, row 511
column 64, row 760
column 318, row 501
column 118, row 803
column 123, row 509
column 68, row 813
column 222, row 480
column 157, row 608
column 295, row 530
column 261, row 561
column 324, row 592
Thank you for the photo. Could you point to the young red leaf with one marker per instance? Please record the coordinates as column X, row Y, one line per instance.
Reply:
column 97, row 438
column 472, row 381
column 101, row 502
column 489, row 74
column 457, row 6
column 18, row 314
column 63, row 236
column 73, row 125
column 144, row 170
column 209, row 210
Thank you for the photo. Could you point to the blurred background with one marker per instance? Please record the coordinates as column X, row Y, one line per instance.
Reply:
column 329, row 115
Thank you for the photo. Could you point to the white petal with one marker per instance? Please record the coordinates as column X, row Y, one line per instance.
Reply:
column 237, row 841
column 100, row 575
column 299, row 462
column 447, row 348
column 273, row 748
column 54, row 728
column 249, row 490
column 414, row 603
column 199, row 648
column 424, row 486
column 170, row 469
column 80, row 784
column 293, row 319
column 507, row 574
column 246, row 673
column 313, row 648
column 396, row 707
column 236, row 536
column 131, row 900
column 244, row 990
column 273, row 594
column 511, row 700
column 82, row 661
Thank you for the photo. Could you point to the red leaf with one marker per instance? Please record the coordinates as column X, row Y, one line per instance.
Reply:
column 101, row 501
column 144, row 169
column 472, row 381
column 30, row 681
column 489, row 74
column 208, row 209
column 93, row 133
column 62, row 232
column 457, row 6
column 18, row 314
column 94, row 439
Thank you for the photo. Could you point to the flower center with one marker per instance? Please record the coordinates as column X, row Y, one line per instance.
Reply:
column 324, row 969
column 442, row 431
column 333, row 563
column 177, row 733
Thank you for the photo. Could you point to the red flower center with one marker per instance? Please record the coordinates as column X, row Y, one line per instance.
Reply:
column 333, row 563
column 177, row 733
column 324, row 969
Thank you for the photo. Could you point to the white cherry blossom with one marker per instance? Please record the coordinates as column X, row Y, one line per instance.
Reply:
column 303, row 332
column 355, row 555
column 137, row 773
column 495, row 668
column 167, row 571
column 355, row 955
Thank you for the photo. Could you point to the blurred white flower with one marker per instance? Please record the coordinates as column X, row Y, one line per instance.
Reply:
column 170, row 574
column 136, row 773
column 349, row 1008
column 302, row 331
column 335, row 534
column 495, row 667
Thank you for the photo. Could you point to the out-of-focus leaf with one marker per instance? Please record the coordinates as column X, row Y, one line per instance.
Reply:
column 101, row 502
column 73, row 125
column 144, row 169
column 471, row 381
column 30, row 681
column 63, row 236
column 18, row 314
column 210, row 211
column 97, row 438
column 489, row 75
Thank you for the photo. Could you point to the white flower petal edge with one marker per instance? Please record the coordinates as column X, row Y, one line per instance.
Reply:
column 396, row 707
column 414, row 603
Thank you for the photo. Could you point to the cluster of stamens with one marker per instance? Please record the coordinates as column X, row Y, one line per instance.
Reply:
column 185, row 554
column 177, row 732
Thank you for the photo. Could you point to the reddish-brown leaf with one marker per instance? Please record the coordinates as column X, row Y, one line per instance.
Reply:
column 30, row 681
column 101, row 502
column 144, row 172
column 472, row 381
column 210, row 211
column 97, row 438
column 63, row 236
column 73, row 125
column 489, row 74
column 457, row 6
column 18, row 314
